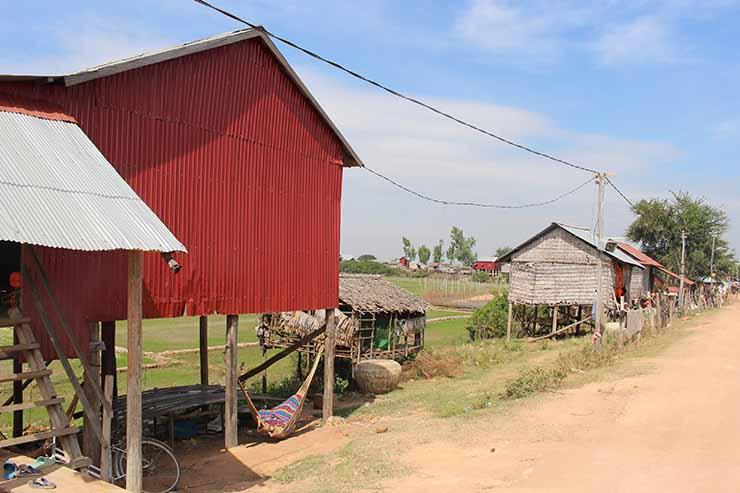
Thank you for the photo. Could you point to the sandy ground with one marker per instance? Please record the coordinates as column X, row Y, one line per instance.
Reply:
column 674, row 429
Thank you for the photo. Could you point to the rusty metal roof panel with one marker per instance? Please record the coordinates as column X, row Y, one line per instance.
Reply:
column 58, row 190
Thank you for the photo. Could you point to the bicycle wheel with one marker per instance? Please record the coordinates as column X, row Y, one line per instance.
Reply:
column 160, row 469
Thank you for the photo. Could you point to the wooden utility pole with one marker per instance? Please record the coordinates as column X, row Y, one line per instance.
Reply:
column 231, row 432
column 133, row 375
column 598, row 316
column 203, row 340
column 329, row 346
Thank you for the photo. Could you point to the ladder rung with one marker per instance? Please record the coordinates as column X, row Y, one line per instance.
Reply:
column 7, row 352
column 29, row 405
column 24, row 376
column 34, row 437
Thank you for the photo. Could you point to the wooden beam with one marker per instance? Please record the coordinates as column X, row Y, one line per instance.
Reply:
column 108, row 359
column 282, row 354
column 329, row 347
column 508, row 323
column 554, row 320
column 203, row 346
column 26, row 383
column 35, row 437
column 63, row 323
column 91, row 445
column 231, row 438
column 8, row 352
column 133, row 376
column 86, row 407
column 560, row 331
column 15, row 377
column 31, row 404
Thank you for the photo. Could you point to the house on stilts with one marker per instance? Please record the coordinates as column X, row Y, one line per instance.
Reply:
column 558, row 269
column 226, row 145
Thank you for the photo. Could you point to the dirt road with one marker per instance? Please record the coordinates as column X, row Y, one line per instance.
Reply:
column 676, row 428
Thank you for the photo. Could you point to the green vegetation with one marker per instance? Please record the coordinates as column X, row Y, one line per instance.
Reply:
column 424, row 254
column 658, row 228
column 461, row 248
column 490, row 320
column 366, row 267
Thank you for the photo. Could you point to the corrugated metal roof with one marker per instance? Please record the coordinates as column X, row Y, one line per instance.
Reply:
column 58, row 190
column 587, row 236
column 638, row 254
column 144, row 59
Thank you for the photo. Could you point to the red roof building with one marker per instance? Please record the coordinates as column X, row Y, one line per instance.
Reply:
column 227, row 146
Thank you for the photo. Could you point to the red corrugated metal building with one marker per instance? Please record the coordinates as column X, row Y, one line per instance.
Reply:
column 222, row 140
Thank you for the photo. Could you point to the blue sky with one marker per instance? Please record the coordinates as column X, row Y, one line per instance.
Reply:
column 646, row 89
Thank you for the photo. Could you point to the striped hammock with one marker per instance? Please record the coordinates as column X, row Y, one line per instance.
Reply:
column 280, row 421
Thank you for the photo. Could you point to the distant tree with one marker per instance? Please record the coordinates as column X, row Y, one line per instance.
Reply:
column 366, row 257
column 461, row 248
column 658, row 230
column 437, row 252
column 366, row 267
column 408, row 249
column 424, row 254
column 501, row 251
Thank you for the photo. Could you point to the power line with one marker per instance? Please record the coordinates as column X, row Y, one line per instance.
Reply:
column 620, row 192
column 477, row 204
column 393, row 91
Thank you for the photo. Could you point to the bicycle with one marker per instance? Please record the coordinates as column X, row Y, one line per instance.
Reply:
column 160, row 469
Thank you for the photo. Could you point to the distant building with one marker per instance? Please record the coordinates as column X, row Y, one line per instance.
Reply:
column 487, row 264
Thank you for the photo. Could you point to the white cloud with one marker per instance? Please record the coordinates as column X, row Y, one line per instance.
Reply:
column 444, row 160
column 645, row 39
column 613, row 32
column 728, row 129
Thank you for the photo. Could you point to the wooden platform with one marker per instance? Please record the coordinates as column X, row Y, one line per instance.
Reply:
column 65, row 478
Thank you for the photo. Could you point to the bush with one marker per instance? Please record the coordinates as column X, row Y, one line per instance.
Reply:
column 480, row 276
column 490, row 320
column 431, row 364
column 366, row 267
column 532, row 381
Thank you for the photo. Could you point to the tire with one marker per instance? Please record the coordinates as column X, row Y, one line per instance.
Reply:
column 160, row 469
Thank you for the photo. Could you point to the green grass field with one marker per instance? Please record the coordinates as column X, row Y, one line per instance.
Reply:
column 184, row 369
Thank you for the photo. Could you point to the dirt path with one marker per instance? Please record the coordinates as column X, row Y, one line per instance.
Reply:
column 674, row 429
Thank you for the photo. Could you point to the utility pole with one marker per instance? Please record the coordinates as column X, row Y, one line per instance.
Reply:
column 683, row 269
column 598, row 322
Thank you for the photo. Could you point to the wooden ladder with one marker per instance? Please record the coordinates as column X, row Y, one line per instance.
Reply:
column 60, row 425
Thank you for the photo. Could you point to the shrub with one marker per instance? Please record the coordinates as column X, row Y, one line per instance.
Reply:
column 431, row 364
column 490, row 320
column 480, row 276
column 366, row 267
column 532, row 381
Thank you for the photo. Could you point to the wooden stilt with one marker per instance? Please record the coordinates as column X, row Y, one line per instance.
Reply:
column 329, row 346
column 231, row 438
column 133, row 375
column 105, row 450
column 579, row 318
column 554, row 320
column 264, row 372
column 91, row 444
column 108, row 359
column 203, row 339
column 508, row 323
column 17, row 391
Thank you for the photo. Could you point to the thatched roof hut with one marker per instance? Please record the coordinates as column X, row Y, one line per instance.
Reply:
column 375, row 319
column 373, row 294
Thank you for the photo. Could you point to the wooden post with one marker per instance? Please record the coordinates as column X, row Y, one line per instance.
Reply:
column 508, row 323
column 231, row 438
column 554, row 319
column 133, row 375
column 17, row 392
column 108, row 360
column 264, row 372
column 91, row 444
column 329, row 346
column 105, row 450
column 580, row 318
column 203, row 328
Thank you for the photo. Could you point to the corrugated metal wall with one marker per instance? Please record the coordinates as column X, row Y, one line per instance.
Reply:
column 240, row 167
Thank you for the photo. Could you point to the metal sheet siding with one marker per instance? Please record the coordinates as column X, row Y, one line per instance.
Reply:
column 236, row 162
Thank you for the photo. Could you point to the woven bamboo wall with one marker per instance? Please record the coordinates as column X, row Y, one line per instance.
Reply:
column 637, row 282
column 558, row 269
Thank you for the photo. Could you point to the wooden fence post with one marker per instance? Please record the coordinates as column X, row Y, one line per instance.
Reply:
column 90, row 441
column 508, row 323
